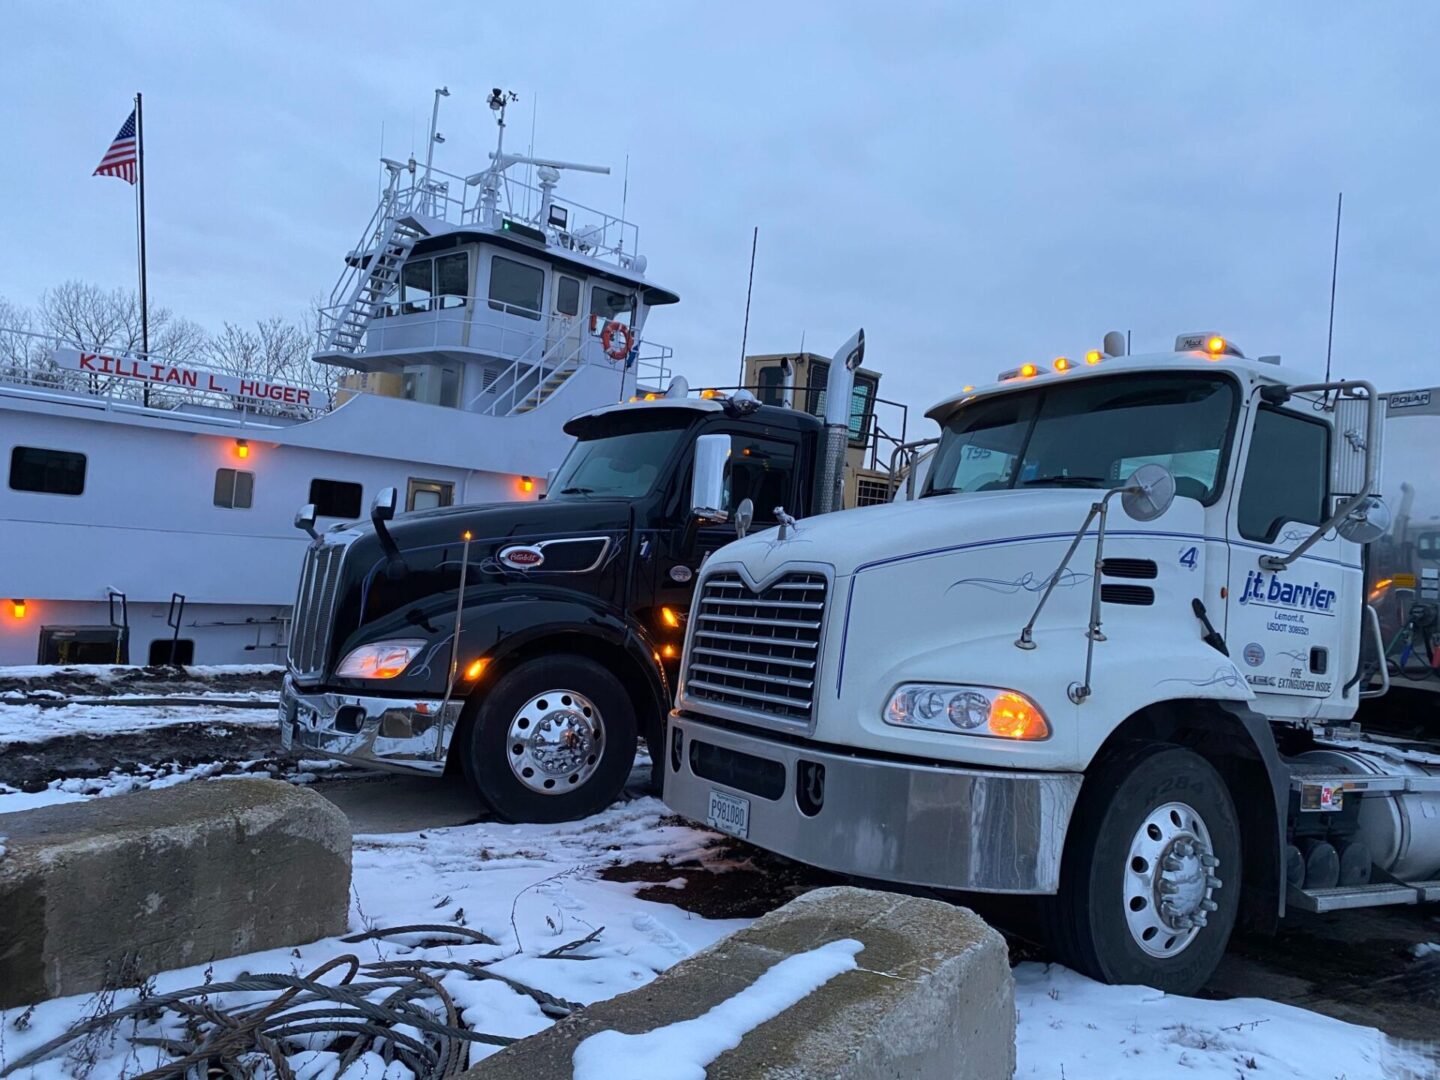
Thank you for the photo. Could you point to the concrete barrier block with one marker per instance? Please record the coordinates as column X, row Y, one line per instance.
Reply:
column 114, row 890
column 932, row 999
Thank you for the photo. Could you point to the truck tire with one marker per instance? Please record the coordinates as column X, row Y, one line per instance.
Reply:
column 552, row 740
column 1150, row 879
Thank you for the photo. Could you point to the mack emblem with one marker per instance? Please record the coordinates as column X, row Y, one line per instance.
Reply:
column 522, row 558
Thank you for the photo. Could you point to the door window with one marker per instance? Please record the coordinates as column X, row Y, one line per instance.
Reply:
column 567, row 296
column 53, row 472
column 1286, row 475
column 234, row 489
column 763, row 471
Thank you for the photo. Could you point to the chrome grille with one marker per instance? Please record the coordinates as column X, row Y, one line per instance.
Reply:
column 315, row 609
column 757, row 651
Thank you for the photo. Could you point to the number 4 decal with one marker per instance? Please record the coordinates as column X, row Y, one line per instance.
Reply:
column 1190, row 557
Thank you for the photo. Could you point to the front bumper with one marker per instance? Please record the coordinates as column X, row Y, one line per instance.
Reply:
column 401, row 734
column 943, row 827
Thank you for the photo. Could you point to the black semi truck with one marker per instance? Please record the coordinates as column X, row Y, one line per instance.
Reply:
column 531, row 645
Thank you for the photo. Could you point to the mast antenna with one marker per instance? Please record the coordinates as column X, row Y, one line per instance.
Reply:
column 1334, row 275
column 749, row 286
column 435, row 136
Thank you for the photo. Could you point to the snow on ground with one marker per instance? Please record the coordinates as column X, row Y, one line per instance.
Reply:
column 531, row 888
column 1074, row 1029
column 37, row 723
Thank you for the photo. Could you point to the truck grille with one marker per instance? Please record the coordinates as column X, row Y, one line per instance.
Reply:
column 757, row 651
column 315, row 609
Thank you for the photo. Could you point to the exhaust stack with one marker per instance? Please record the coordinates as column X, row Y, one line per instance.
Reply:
column 839, row 390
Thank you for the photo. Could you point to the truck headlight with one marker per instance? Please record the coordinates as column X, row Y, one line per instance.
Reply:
column 379, row 660
column 973, row 710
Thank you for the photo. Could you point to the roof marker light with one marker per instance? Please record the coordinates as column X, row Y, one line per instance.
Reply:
column 1028, row 371
column 1094, row 356
column 966, row 389
column 1216, row 347
column 1062, row 363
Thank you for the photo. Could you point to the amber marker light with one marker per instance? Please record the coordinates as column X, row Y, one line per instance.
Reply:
column 966, row 389
column 466, row 536
column 1028, row 371
column 475, row 669
column 1094, row 356
column 1378, row 591
column 1062, row 363
column 670, row 618
column 17, row 608
column 1014, row 716
column 652, row 396
column 527, row 483
column 1215, row 347
column 242, row 448
column 669, row 652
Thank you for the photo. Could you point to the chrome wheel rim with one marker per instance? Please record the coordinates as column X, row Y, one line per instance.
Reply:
column 555, row 742
column 1170, row 880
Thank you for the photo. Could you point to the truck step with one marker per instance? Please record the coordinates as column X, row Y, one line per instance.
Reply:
column 1378, row 894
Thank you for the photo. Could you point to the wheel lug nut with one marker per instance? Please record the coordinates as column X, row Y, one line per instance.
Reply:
column 1213, row 882
column 1171, row 863
column 1208, row 905
column 1167, row 886
column 1210, row 862
column 1200, row 921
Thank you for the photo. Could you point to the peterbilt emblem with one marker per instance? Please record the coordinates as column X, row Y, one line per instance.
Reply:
column 682, row 574
column 522, row 557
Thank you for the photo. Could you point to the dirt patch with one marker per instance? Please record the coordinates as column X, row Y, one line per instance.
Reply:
column 32, row 766
column 92, row 682
column 731, row 881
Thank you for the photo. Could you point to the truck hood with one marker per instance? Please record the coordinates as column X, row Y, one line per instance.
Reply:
column 494, row 522
column 857, row 538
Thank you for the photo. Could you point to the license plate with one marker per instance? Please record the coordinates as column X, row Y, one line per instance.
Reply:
column 729, row 813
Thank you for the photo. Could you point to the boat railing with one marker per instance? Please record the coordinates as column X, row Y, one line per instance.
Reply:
column 42, row 366
column 462, row 201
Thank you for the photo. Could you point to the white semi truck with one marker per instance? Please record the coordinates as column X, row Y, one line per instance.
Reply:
column 1111, row 655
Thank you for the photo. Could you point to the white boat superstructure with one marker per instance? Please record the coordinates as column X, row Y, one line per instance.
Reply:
column 149, row 502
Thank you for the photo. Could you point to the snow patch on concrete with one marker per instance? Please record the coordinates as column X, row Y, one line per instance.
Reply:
column 681, row 1051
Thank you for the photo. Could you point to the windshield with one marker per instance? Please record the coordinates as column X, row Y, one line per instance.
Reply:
column 1090, row 434
column 624, row 466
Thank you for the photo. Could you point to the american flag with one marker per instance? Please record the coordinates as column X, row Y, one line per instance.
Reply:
column 119, row 160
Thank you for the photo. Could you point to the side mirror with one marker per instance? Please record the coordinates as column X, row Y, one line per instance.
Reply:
column 383, row 508
column 744, row 515
column 1148, row 493
column 1367, row 523
column 707, row 485
column 305, row 519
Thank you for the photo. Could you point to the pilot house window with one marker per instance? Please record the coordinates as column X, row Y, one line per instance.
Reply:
column 335, row 498
column 515, row 288
column 51, row 472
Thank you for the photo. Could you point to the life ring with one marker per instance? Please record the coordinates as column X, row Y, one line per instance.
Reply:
column 617, row 349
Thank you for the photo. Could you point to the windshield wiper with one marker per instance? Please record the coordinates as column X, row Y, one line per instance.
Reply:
column 1067, row 481
column 577, row 491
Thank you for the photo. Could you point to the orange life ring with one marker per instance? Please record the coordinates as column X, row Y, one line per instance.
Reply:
column 617, row 350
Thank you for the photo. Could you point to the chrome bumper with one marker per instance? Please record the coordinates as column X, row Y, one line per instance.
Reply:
column 378, row 733
column 946, row 828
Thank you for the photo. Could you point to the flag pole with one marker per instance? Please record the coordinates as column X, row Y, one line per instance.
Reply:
column 140, row 194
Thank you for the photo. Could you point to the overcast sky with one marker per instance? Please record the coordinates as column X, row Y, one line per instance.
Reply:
column 978, row 185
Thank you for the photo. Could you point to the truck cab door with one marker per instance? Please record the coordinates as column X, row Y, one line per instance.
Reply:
column 1293, row 632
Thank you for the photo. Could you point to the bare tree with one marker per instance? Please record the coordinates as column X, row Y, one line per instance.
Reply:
column 19, row 349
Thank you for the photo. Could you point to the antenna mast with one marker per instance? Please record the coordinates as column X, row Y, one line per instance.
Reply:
column 435, row 136
column 749, row 286
column 1334, row 274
